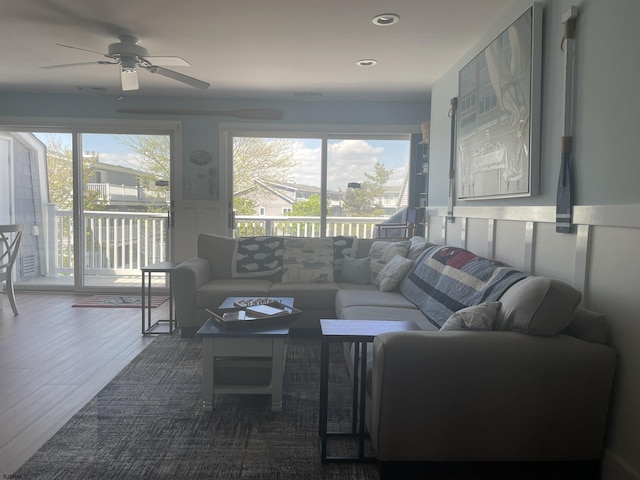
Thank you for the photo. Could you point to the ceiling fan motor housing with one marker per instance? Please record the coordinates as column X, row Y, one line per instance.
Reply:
column 127, row 47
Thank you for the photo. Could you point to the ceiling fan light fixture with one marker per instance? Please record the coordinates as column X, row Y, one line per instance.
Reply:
column 129, row 79
column 385, row 19
column 367, row 62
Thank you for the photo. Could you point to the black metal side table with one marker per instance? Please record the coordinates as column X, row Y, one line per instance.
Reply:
column 159, row 267
column 360, row 332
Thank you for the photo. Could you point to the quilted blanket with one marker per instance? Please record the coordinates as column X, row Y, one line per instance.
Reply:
column 447, row 279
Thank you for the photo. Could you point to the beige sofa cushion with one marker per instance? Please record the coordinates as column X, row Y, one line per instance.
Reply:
column 381, row 252
column 537, row 306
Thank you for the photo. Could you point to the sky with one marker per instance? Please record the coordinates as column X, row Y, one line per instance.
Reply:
column 347, row 159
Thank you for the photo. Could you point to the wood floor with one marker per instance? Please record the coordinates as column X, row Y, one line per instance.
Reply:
column 53, row 359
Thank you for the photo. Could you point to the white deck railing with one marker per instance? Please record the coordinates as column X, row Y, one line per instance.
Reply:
column 362, row 227
column 120, row 243
column 116, row 243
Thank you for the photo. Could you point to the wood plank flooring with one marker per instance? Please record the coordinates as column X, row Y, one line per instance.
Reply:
column 55, row 358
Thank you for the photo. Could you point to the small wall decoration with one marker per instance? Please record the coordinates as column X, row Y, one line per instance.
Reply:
column 201, row 178
column 200, row 157
column 498, row 115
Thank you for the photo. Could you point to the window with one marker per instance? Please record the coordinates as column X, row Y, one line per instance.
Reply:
column 313, row 177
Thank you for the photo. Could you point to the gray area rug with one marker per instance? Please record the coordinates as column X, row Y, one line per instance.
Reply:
column 147, row 423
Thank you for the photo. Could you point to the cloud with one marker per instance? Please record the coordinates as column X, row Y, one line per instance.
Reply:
column 348, row 160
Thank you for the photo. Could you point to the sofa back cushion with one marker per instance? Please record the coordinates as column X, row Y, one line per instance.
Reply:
column 447, row 279
column 308, row 260
column 343, row 247
column 537, row 306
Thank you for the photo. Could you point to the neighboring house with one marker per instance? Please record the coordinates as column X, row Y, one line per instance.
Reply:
column 121, row 188
column 276, row 199
column 24, row 196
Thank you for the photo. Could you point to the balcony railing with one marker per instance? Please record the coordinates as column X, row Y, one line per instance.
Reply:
column 362, row 227
column 116, row 243
column 120, row 243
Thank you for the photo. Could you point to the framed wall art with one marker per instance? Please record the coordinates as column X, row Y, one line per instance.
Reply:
column 498, row 114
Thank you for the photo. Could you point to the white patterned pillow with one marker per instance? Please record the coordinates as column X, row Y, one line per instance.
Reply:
column 380, row 253
column 393, row 272
column 477, row 318
column 307, row 260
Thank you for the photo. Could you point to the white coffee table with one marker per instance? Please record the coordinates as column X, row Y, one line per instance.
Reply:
column 250, row 352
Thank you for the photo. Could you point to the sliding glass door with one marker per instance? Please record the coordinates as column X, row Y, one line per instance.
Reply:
column 316, row 186
column 126, row 205
column 95, row 205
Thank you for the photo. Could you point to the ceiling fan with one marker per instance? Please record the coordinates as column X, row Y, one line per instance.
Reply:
column 130, row 55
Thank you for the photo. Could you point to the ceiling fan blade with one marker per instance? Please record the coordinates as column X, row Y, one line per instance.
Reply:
column 78, row 48
column 167, row 61
column 165, row 72
column 64, row 65
column 249, row 113
column 129, row 80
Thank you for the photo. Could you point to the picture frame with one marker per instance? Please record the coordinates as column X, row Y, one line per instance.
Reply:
column 498, row 114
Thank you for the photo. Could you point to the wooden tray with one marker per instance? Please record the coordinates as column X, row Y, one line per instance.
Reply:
column 220, row 316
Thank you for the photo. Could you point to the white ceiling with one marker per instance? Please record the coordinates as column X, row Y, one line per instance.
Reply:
column 259, row 49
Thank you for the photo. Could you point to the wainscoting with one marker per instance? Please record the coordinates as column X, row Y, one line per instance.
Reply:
column 601, row 258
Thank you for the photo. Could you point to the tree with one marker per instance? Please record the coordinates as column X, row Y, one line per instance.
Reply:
column 376, row 183
column 60, row 175
column 244, row 206
column 267, row 159
column 306, row 208
column 367, row 201
column 154, row 160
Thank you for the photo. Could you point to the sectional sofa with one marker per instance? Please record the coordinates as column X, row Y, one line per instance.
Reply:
column 507, row 367
column 307, row 269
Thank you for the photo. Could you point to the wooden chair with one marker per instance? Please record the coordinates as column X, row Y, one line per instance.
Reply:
column 10, row 236
column 400, row 230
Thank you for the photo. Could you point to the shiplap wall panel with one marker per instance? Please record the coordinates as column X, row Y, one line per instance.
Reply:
column 477, row 236
column 614, row 288
column 510, row 243
column 554, row 253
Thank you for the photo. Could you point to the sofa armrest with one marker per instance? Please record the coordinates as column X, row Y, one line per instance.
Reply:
column 186, row 279
column 497, row 396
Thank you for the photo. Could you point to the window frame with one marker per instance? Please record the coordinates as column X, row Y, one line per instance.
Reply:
column 227, row 131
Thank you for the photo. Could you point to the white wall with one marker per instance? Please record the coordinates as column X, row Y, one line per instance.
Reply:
column 601, row 256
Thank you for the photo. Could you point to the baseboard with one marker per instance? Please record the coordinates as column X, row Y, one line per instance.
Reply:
column 614, row 468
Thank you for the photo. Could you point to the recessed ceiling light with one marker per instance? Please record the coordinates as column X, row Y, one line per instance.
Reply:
column 385, row 19
column 367, row 62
